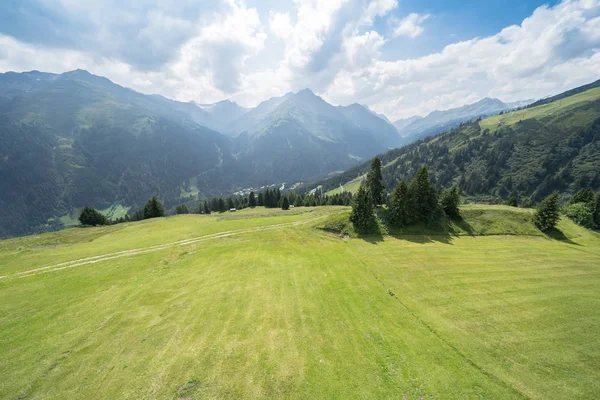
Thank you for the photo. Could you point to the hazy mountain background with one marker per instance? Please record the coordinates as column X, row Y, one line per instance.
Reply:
column 415, row 128
column 75, row 139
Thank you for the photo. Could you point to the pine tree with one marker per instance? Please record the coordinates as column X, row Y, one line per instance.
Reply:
column 450, row 201
column 230, row 203
column 424, row 195
column 222, row 205
column 92, row 217
column 583, row 196
column 513, row 201
column 596, row 212
column 285, row 203
column 153, row 209
column 547, row 214
column 206, row 208
column 181, row 209
column 362, row 211
column 374, row 183
column 252, row 200
column 400, row 205
column 261, row 200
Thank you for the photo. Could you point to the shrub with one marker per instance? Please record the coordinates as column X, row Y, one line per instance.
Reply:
column 580, row 213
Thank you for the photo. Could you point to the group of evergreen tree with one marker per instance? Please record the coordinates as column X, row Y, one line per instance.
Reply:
column 417, row 201
column 92, row 217
column 584, row 208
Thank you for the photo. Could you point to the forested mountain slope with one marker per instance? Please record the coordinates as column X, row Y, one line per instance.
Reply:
column 77, row 139
column 300, row 135
column 416, row 128
column 527, row 153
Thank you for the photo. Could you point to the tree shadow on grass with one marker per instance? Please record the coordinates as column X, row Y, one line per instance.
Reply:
column 557, row 234
column 443, row 231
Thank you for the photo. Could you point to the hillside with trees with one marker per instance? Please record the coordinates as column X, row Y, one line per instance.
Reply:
column 526, row 154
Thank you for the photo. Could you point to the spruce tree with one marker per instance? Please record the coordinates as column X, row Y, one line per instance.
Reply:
column 362, row 211
column 181, row 209
column 424, row 196
column 206, row 208
column 400, row 208
column 547, row 214
column 285, row 203
column 252, row 200
column 92, row 217
column 222, row 205
column 261, row 200
column 583, row 196
column 374, row 183
column 596, row 214
column 153, row 209
column 450, row 202
column 513, row 201
column 230, row 203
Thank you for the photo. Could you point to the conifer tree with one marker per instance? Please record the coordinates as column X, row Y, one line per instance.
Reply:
column 230, row 203
column 252, row 200
column 222, row 205
column 374, row 183
column 424, row 196
column 285, row 203
column 153, row 209
column 547, row 214
column 513, row 201
column 206, row 208
column 261, row 200
column 181, row 209
column 362, row 210
column 92, row 217
column 450, row 201
column 400, row 205
column 583, row 196
column 596, row 211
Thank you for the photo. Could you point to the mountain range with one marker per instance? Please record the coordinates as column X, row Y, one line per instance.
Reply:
column 416, row 127
column 75, row 139
column 549, row 145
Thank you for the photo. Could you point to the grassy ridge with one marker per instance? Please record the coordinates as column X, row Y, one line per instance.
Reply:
column 542, row 111
column 298, row 313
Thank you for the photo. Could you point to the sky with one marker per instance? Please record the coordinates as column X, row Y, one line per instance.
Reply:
column 398, row 57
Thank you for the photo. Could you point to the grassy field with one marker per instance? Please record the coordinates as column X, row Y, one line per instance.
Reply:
column 542, row 111
column 262, row 304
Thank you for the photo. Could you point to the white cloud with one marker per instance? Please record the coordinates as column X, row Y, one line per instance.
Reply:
column 556, row 48
column 218, row 50
column 281, row 24
column 378, row 8
column 410, row 26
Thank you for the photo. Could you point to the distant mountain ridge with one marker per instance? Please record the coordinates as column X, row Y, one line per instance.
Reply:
column 526, row 153
column 415, row 128
column 76, row 139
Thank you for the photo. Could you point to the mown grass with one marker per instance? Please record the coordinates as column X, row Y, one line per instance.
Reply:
column 299, row 313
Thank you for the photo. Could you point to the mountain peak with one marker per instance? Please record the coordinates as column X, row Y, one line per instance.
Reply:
column 306, row 92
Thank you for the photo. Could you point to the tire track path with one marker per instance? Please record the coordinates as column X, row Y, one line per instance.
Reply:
column 142, row 250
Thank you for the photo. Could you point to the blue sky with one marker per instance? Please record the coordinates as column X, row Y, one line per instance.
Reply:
column 399, row 57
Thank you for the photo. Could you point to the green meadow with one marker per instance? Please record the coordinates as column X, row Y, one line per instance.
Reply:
column 266, row 304
column 539, row 112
